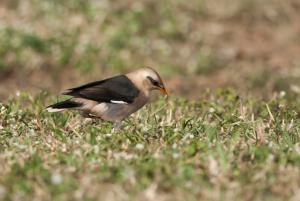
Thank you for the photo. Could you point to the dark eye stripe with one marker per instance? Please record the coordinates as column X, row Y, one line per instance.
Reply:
column 154, row 82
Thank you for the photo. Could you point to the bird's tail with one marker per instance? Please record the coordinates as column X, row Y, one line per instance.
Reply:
column 60, row 106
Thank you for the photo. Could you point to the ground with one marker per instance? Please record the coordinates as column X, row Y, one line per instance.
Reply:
column 220, row 148
column 229, row 131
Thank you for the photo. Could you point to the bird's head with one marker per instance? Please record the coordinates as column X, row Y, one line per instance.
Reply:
column 149, row 80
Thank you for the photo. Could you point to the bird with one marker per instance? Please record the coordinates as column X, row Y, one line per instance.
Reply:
column 112, row 99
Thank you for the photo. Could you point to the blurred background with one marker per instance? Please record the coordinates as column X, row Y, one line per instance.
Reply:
column 250, row 45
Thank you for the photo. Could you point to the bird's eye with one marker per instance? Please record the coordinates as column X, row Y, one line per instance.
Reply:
column 153, row 82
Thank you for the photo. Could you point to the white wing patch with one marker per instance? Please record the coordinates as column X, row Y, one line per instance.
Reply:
column 118, row 102
column 51, row 109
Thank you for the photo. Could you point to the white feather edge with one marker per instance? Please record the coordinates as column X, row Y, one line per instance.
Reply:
column 118, row 102
column 66, row 91
column 50, row 109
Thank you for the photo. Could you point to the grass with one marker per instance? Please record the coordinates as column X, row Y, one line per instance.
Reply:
column 225, row 145
column 221, row 147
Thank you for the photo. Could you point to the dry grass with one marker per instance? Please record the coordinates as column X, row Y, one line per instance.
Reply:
column 219, row 148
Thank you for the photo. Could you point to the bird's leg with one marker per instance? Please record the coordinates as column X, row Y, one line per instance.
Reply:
column 87, row 115
column 117, row 125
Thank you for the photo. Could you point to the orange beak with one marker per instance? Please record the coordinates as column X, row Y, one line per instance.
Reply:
column 164, row 91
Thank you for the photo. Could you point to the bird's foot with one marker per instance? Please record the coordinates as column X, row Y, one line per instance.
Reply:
column 116, row 127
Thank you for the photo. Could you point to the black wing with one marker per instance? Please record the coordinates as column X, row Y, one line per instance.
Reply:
column 118, row 88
